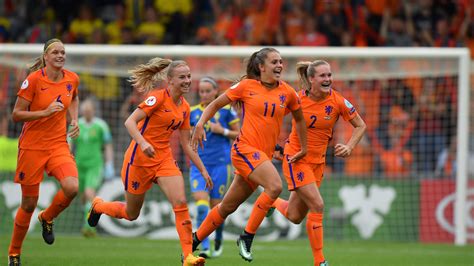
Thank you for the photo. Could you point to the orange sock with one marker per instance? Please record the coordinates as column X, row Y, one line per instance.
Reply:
column 260, row 209
column 210, row 224
column 184, row 228
column 314, row 228
column 282, row 206
column 20, row 228
column 114, row 209
column 60, row 202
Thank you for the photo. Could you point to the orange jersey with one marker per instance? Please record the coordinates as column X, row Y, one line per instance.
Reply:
column 48, row 132
column 320, row 118
column 262, row 112
column 163, row 118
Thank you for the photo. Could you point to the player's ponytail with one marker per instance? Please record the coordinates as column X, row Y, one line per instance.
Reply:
column 144, row 76
column 39, row 61
column 302, row 72
column 305, row 69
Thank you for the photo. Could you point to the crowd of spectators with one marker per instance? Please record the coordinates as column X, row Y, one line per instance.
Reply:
column 432, row 23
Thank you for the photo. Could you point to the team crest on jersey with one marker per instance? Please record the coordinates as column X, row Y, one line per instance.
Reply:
column 25, row 84
column 150, row 101
column 256, row 155
column 69, row 89
column 135, row 185
column 300, row 176
column 349, row 106
column 282, row 98
column 328, row 110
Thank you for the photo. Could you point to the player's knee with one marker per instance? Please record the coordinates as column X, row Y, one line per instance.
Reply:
column 132, row 216
column 28, row 206
column 226, row 209
column 274, row 190
column 71, row 189
column 179, row 203
column 318, row 206
column 295, row 218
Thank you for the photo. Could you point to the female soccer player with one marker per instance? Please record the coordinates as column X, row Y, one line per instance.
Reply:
column 264, row 99
column 45, row 98
column 322, row 107
column 95, row 137
column 223, row 127
column 149, row 159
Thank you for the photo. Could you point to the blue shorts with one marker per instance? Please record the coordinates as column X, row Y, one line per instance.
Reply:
column 220, row 175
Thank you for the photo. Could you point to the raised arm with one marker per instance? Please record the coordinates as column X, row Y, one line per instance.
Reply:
column 131, row 125
column 198, row 135
column 301, row 131
column 344, row 150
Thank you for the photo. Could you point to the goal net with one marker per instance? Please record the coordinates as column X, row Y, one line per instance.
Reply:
column 409, row 179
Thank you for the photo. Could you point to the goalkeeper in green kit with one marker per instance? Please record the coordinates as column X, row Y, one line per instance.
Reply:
column 93, row 144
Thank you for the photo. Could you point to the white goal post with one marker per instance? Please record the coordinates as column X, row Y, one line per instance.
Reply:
column 460, row 55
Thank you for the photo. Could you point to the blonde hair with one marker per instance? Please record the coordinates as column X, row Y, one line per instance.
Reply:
column 145, row 76
column 305, row 69
column 39, row 61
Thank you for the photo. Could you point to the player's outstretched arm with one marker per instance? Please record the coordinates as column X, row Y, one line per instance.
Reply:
column 344, row 150
column 131, row 125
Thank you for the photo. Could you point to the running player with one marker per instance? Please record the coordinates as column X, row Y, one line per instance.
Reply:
column 264, row 97
column 322, row 107
column 223, row 127
column 149, row 158
column 47, row 96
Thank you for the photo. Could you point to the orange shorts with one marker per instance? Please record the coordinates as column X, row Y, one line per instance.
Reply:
column 245, row 159
column 32, row 163
column 299, row 174
column 138, row 179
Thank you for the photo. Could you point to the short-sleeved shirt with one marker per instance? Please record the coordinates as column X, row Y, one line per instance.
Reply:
column 217, row 147
column 320, row 118
column 262, row 112
column 48, row 132
column 94, row 135
column 163, row 117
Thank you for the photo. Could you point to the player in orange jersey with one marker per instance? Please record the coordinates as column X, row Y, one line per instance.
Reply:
column 45, row 98
column 149, row 159
column 264, row 99
column 322, row 106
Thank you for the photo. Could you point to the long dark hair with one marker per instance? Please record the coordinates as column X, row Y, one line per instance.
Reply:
column 256, row 59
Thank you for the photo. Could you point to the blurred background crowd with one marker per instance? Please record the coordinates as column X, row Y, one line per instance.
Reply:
column 411, row 120
column 432, row 23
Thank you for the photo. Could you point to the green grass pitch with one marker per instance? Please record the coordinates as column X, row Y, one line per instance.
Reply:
column 75, row 250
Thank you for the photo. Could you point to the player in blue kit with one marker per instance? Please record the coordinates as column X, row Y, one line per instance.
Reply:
column 220, row 130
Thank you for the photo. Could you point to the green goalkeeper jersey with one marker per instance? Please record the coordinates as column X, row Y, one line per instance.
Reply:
column 89, row 145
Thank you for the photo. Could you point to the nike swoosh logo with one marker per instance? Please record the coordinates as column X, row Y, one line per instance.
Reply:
column 166, row 111
column 252, row 93
column 43, row 89
column 316, row 227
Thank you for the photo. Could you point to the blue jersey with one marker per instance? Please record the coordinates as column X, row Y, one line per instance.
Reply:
column 217, row 147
